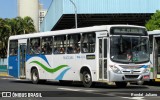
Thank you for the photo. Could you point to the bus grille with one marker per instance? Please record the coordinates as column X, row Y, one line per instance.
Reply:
column 131, row 66
column 131, row 76
column 130, row 71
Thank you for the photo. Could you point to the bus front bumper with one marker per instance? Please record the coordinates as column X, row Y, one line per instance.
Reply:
column 128, row 77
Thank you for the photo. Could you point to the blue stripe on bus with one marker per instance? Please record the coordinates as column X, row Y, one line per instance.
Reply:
column 144, row 66
column 60, row 77
column 41, row 56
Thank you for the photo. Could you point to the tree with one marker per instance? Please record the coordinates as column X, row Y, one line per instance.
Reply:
column 28, row 25
column 14, row 26
column 5, row 30
column 154, row 22
column 21, row 25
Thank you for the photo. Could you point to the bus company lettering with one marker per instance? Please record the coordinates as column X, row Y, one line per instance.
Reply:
column 68, row 57
column 81, row 57
column 105, row 34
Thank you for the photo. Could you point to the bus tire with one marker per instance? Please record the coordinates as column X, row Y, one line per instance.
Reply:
column 121, row 84
column 87, row 79
column 35, row 76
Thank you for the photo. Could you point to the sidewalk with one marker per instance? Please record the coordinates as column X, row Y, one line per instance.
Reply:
column 4, row 74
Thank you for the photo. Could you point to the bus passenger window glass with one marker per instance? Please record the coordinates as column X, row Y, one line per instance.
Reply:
column 35, row 46
column 47, row 43
column 100, row 48
column 59, row 44
column 73, row 45
column 28, row 46
column 88, row 42
column 105, row 48
column 13, row 47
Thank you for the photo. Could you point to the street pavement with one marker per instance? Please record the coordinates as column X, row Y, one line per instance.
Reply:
column 52, row 89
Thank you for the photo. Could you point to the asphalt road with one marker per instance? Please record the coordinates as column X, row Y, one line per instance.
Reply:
column 52, row 89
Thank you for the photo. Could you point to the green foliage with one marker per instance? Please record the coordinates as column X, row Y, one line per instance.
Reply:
column 15, row 26
column 154, row 22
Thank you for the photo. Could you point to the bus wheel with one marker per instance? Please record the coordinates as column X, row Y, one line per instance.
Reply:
column 87, row 79
column 35, row 76
column 121, row 84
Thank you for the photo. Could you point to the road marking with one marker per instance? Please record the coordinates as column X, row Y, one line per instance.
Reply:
column 10, row 78
column 18, row 79
column 6, row 78
column 69, row 89
column 88, row 91
column 134, row 98
column 107, row 94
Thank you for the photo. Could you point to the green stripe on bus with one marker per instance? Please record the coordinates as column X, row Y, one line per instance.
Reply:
column 50, row 70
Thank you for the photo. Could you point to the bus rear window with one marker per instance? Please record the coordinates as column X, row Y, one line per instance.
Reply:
column 13, row 47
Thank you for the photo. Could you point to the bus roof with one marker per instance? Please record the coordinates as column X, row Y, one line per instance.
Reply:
column 154, row 32
column 69, row 31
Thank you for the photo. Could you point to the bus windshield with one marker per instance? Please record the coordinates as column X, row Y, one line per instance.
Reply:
column 127, row 49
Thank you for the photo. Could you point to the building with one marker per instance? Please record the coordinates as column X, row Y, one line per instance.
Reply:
column 29, row 8
column 61, row 14
column 42, row 13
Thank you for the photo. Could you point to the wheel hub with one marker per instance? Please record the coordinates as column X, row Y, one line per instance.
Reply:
column 34, row 76
column 87, row 78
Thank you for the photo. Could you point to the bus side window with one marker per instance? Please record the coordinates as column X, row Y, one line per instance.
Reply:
column 59, row 44
column 28, row 46
column 13, row 48
column 88, row 42
column 47, row 45
column 73, row 44
column 34, row 46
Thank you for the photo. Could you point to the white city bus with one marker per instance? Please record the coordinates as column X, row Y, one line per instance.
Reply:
column 154, row 37
column 108, row 53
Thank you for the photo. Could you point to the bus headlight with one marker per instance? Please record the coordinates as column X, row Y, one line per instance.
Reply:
column 115, row 69
column 146, row 70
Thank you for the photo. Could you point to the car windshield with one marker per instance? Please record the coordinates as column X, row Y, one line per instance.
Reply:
column 129, row 49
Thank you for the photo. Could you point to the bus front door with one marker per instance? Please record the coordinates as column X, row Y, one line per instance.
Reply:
column 102, row 58
column 22, row 59
column 157, row 58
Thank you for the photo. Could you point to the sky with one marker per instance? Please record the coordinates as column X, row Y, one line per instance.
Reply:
column 8, row 8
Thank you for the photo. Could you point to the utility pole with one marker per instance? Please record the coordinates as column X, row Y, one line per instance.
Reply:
column 75, row 9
